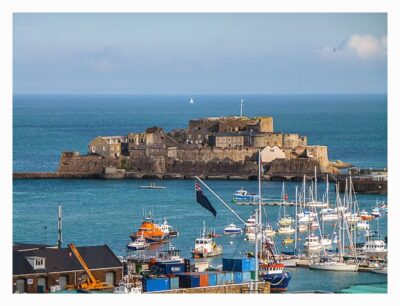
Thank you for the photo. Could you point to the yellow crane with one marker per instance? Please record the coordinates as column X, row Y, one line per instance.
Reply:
column 91, row 283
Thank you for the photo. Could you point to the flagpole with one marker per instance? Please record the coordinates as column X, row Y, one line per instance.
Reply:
column 222, row 201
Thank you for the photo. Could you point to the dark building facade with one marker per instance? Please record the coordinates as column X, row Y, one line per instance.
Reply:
column 42, row 269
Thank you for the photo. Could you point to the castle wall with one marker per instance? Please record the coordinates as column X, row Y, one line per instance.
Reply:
column 209, row 153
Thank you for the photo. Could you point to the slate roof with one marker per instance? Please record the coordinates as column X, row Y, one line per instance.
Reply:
column 58, row 260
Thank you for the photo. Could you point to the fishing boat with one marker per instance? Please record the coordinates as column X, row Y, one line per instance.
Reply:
column 152, row 186
column 232, row 229
column 168, row 230
column 150, row 231
column 138, row 244
column 205, row 247
column 242, row 195
column 170, row 255
column 276, row 275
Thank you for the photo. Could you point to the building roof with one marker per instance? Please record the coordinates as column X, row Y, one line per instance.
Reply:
column 59, row 260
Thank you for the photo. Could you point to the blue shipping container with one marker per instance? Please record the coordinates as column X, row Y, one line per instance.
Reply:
column 155, row 284
column 168, row 268
column 212, row 278
column 229, row 277
column 189, row 280
column 246, row 277
column 224, row 278
column 252, row 264
column 238, row 265
column 174, row 282
column 221, row 280
column 237, row 277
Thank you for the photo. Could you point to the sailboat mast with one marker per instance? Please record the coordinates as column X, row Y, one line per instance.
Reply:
column 258, row 220
column 315, row 189
column 295, row 223
column 327, row 189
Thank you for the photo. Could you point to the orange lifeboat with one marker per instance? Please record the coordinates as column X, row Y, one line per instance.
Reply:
column 150, row 231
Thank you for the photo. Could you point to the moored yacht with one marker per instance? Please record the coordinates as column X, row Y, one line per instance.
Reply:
column 330, row 264
column 232, row 229
column 312, row 243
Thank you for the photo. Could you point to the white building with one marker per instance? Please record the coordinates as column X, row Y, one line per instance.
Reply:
column 269, row 153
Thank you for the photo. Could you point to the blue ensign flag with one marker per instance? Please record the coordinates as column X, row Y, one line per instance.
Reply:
column 202, row 199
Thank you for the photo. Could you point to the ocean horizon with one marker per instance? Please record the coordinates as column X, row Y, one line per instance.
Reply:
column 353, row 126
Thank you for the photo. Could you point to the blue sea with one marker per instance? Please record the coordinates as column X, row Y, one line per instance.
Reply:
column 354, row 127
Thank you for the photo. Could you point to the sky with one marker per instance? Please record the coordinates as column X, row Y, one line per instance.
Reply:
column 192, row 53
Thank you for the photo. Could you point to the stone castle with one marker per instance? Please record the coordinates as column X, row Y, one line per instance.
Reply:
column 208, row 147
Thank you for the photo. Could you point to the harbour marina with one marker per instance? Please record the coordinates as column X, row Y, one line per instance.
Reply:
column 130, row 219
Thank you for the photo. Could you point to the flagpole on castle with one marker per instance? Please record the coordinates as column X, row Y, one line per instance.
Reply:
column 222, row 201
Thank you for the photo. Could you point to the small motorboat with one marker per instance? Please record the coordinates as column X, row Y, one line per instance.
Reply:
column 139, row 243
column 365, row 215
column 242, row 195
column 376, row 213
column 152, row 186
column 232, row 229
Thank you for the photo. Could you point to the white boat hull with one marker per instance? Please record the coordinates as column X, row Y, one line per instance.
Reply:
column 339, row 266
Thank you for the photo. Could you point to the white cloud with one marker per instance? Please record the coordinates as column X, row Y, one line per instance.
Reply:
column 361, row 46
column 368, row 46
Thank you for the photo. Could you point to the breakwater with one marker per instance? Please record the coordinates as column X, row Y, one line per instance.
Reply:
column 158, row 176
